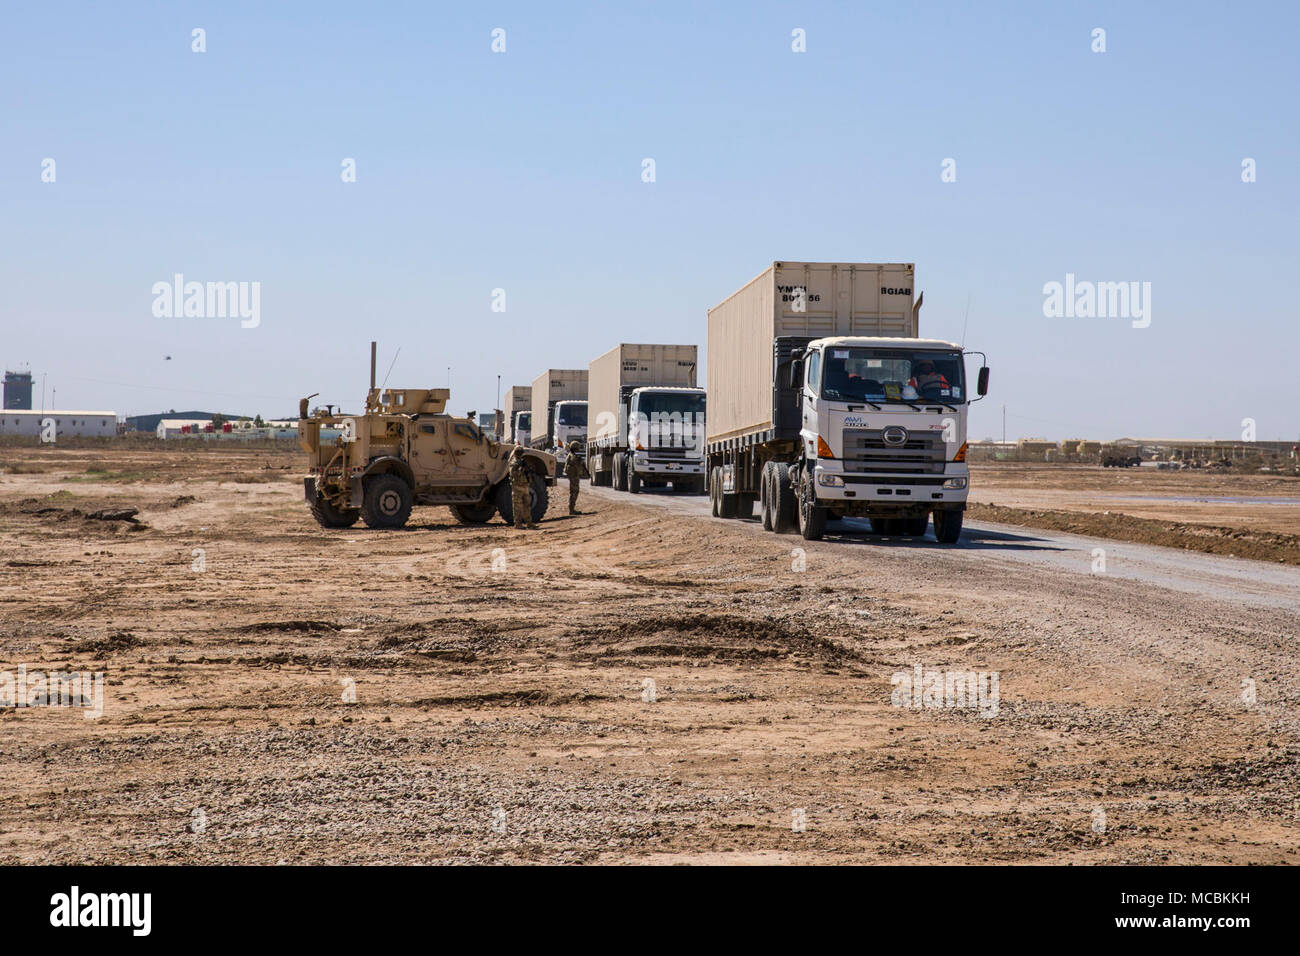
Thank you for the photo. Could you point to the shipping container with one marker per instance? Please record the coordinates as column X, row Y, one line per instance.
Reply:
column 553, row 385
column 625, row 367
column 811, row 299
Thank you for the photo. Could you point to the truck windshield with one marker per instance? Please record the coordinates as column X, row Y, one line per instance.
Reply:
column 525, row 420
column 572, row 414
column 890, row 375
column 671, row 403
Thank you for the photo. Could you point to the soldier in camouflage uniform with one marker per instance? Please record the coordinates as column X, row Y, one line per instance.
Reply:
column 573, row 469
column 521, row 480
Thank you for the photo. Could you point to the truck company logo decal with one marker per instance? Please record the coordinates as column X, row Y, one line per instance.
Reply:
column 884, row 290
column 894, row 435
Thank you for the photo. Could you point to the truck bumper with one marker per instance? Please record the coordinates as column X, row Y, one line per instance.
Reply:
column 647, row 465
column 865, row 493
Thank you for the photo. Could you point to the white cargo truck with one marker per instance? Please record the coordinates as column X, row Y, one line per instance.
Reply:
column 553, row 386
column 823, row 403
column 568, row 423
column 647, row 419
column 519, row 399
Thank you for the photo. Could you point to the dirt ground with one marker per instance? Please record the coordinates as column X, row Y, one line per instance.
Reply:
column 504, row 709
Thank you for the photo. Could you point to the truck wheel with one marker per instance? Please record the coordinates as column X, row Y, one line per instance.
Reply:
column 745, row 506
column 620, row 473
column 765, row 497
column 387, row 502
column 633, row 481
column 878, row 525
column 785, row 506
column 812, row 518
column 327, row 516
column 714, row 493
column 916, row 526
column 474, row 514
column 947, row 526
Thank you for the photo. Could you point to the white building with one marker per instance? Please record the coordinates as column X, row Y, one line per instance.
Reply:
column 67, row 423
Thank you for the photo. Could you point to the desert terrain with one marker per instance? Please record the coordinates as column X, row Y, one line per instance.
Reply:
column 637, row 684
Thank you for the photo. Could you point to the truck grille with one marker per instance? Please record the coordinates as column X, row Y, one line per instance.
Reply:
column 668, row 453
column 922, row 454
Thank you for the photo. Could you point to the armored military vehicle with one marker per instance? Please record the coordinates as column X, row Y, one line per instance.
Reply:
column 405, row 450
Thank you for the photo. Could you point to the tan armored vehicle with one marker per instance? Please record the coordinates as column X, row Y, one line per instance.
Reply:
column 403, row 451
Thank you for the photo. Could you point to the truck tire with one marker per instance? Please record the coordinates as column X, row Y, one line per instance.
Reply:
column 812, row 517
column 474, row 514
column 745, row 505
column 620, row 473
column 633, row 482
column 539, row 495
column 916, row 526
column 765, row 497
column 327, row 516
column 947, row 526
column 785, row 505
column 387, row 501
column 715, row 492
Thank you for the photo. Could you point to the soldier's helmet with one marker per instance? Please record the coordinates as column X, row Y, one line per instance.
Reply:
column 574, row 447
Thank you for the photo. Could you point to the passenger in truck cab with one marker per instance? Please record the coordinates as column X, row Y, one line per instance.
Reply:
column 925, row 378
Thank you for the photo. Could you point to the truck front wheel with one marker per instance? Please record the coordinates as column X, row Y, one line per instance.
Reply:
column 812, row 517
column 387, row 502
column 947, row 526
column 633, row 480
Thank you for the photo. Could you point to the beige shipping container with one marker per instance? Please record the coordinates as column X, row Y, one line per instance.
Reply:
column 552, row 386
column 838, row 298
column 633, row 366
column 519, row 398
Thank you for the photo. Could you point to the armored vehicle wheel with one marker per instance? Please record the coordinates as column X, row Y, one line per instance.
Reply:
column 387, row 502
column 947, row 526
column 330, row 517
column 916, row 526
column 539, row 497
column 812, row 518
column 474, row 514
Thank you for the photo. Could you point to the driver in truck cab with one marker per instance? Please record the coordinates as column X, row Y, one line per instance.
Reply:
column 925, row 376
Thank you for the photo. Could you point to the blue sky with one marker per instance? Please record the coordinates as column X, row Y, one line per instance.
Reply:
column 522, row 171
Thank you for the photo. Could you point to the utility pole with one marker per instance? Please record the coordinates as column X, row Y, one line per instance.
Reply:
column 1004, row 423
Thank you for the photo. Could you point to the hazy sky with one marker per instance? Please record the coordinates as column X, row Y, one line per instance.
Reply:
column 522, row 171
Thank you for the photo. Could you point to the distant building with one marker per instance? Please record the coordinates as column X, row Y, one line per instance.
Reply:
column 18, row 390
column 67, row 423
column 149, row 423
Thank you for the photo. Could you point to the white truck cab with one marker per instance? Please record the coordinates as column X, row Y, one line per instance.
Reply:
column 883, row 427
column 569, row 422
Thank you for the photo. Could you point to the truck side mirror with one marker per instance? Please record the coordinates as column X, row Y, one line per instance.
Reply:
column 982, row 386
column 796, row 373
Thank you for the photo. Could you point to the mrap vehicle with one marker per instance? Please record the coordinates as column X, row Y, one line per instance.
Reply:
column 823, row 403
column 405, row 450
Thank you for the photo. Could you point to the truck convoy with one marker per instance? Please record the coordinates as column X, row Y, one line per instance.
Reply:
column 405, row 450
column 519, row 399
column 647, row 419
column 824, row 403
column 556, row 424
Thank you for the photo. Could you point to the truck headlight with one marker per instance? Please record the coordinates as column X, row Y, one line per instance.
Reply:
column 830, row 481
column 955, row 484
